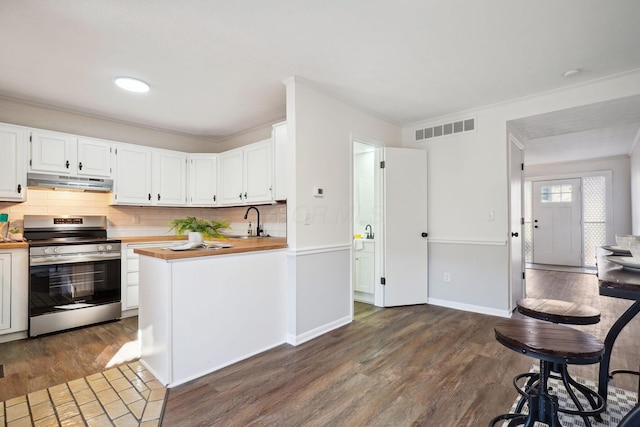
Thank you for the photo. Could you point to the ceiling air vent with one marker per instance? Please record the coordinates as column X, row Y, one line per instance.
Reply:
column 446, row 129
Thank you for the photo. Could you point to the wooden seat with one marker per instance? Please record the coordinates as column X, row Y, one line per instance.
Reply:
column 556, row 346
column 556, row 311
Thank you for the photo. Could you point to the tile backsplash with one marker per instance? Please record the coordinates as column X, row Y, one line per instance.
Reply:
column 125, row 221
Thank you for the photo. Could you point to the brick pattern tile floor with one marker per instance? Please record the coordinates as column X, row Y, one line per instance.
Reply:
column 128, row 395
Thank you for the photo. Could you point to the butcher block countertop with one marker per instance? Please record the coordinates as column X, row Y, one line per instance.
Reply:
column 144, row 239
column 13, row 245
column 239, row 246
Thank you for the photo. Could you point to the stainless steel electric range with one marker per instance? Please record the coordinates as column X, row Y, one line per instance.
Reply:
column 74, row 272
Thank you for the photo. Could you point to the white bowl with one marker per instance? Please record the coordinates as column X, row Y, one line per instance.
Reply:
column 634, row 247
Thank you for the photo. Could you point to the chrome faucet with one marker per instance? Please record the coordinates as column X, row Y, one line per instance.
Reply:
column 258, row 229
column 370, row 232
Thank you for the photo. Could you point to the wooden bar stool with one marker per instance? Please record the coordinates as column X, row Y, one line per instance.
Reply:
column 567, row 313
column 554, row 345
column 556, row 311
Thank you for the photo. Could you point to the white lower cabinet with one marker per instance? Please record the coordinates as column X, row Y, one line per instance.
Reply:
column 130, row 272
column 365, row 267
column 5, row 291
column 14, row 284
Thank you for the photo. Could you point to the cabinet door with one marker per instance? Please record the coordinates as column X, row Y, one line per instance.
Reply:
column 279, row 136
column 231, row 176
column 170, row 178
column 133, row 175
column 94, row 158
column 365, row 271
column 13, row 172
column 5, row 291
column 258, row 172
column 53, row 152
column 203, row 180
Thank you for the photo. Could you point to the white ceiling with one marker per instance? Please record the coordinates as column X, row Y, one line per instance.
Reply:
column 216, row 67
column 604, row 129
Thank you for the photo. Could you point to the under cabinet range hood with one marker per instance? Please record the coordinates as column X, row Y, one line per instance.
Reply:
column 69, row 183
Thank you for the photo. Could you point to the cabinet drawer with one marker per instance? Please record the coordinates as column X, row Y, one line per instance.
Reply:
column 133, row 264
column 133, row 278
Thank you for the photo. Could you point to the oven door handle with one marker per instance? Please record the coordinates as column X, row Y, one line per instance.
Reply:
column 61, row 259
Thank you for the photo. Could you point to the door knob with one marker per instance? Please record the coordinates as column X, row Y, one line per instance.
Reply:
column 514, row 234
column 424, row 234
column 535, row 226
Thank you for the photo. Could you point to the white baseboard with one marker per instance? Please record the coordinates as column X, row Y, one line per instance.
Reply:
column 224, row 365
column 129, row 313
column 469, row 307
column 13, row 336
column 314, row 333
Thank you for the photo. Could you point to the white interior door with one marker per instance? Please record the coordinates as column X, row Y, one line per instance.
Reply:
column 516, row 160
column 557, row 229
column 405, row 226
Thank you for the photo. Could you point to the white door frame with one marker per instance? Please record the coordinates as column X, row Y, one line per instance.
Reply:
column 516, row 288
column 608, row 175
column 377, row 225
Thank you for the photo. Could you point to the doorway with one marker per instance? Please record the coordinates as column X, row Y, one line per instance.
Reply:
column 365, row 222
column 557, row 228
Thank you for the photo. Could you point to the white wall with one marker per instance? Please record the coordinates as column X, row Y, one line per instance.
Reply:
column 245, row 138
column 468, row 179
column 320, row 131
column 620, row 185
column 25, row 114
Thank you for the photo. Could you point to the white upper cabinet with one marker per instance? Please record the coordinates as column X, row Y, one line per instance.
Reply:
column 59, row 153
column 246, row 174
column 169, row 178
column 279, row 136
column 13, row 172
column 147, row 176
column 231, row 175
column 94, row 157
column 258, row 172
column 53, row 152
column 203, row 180
column 132, row 183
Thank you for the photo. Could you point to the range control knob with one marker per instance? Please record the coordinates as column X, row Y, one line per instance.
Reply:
column 48, row 250
column 109, row 247
column 100, row 248
column 57, row 250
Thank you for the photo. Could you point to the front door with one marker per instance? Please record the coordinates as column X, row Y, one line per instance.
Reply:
column 557, row 229
column 405, row 226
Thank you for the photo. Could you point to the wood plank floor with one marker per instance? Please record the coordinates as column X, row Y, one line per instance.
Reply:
column 417, row 365
column 34, row 364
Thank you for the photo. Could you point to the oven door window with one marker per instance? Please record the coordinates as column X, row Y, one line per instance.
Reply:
column 67, row 286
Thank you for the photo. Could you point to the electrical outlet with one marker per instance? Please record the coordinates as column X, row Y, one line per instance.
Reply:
column 447, row 277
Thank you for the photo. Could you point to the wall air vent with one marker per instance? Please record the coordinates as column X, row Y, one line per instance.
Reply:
column 445, row 129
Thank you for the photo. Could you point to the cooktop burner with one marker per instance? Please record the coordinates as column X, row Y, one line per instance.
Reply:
column 49, row 230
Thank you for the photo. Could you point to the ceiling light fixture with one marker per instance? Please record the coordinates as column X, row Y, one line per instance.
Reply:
column 131, row 84
column 571, row 73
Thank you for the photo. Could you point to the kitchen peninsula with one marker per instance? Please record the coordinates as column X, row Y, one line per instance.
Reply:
column 201, row 310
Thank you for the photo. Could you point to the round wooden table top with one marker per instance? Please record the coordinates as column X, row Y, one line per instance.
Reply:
column 548, row 341
column 557, row 311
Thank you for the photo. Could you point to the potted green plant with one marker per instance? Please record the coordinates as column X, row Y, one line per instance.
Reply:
column 199, row 229
column 15, row 234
